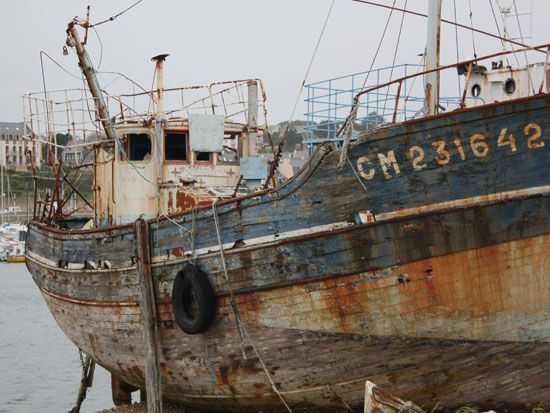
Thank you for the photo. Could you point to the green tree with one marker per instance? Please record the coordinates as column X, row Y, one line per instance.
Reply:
column 372, row 120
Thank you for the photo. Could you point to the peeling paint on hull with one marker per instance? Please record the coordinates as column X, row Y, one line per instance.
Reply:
column 429, row 336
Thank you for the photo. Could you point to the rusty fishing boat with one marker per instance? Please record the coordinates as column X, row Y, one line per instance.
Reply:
column 415, row 255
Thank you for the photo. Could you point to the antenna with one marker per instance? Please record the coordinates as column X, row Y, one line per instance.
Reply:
column 508, row 9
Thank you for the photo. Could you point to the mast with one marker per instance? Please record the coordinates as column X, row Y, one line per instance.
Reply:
column 73, row 40
column 431, row 86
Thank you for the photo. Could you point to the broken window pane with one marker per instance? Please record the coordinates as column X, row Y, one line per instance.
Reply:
column 175, row 146
column 203, row 156
column 230, row 151
column 138, row 146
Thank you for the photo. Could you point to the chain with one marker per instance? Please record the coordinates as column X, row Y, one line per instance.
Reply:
column 82, row 362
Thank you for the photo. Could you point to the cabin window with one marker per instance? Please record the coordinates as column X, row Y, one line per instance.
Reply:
column 203, row 156
column 137, row 146
column 175, row 146
column 230, row 151
column 510, row 86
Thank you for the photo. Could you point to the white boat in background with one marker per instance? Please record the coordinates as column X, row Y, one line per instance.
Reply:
column 12, row 242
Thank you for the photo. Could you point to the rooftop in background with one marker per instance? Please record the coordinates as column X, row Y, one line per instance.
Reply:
column 11, row 128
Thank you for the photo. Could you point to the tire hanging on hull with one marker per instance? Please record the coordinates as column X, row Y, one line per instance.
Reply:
column 193, row 300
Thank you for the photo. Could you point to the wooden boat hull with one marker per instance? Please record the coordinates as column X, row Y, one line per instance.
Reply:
column 443, row 298
column 431, row 329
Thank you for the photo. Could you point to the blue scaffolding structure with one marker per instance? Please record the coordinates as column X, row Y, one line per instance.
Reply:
column 330, row 101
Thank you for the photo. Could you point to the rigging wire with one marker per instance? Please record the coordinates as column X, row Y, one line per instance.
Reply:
column 472, row 29
column 112, row 18
column 275, row 163
column 462, row 26
column 496, row 24
column 457, row 48
column 524, row 52
column 505, row 33
column 379, row 44
column 57, row 64
column 101, row 48
column 502, row 35
column 125, row 77
column 395, row 54
column 347, row 127
column 350, row 120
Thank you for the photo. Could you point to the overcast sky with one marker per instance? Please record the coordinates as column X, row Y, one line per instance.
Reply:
column 211, row 40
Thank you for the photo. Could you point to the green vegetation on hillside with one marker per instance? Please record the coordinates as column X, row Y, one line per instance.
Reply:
column 18, row 183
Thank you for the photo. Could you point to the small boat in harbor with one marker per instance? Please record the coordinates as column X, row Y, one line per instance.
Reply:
column 415, row 255
column 18, row 255
column 12, row 242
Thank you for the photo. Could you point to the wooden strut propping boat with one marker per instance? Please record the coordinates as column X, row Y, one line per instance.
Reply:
column 288, row 297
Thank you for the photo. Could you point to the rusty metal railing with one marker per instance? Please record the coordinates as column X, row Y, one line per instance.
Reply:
column 466, row 63
column 227, row 98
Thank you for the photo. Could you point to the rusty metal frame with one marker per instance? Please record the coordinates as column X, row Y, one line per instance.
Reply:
column 439, row 69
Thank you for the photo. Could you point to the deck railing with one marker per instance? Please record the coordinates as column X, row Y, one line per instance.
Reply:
column 392, row 94
column 397, row 84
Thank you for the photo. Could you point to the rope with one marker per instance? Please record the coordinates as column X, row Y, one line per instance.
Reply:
column 243, row 332
column 190, row 234
column 357, row 175
column 234, row 308
column 347, row 140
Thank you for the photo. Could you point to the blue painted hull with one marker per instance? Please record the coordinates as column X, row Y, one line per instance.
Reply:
column 440, row 293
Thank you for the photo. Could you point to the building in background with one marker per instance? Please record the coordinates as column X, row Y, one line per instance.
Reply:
column 14, row 147
column 76, row 153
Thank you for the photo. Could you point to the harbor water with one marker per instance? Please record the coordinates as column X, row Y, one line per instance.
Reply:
column 40, row 368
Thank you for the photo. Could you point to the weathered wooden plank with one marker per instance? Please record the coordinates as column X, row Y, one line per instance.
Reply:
column 149, row 318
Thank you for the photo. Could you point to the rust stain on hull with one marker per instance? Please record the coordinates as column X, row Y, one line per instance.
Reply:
column 422, row 326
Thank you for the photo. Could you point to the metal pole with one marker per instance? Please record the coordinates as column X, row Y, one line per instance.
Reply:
column 89, row 73
column 27, row 195
column 432, row 56
column 252, row 119
column 159, row 74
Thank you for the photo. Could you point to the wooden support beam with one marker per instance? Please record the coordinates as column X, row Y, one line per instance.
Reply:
column 149, row 317
column 88, row 368
column 120, row 394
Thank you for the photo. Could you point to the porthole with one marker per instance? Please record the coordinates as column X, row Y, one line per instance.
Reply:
column 510, row 86
column 476, row 90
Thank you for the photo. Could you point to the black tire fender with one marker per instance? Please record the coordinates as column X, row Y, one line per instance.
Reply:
column 193, row 300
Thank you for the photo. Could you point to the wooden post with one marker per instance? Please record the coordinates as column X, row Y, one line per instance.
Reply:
column 88, row 369
column 149, row 317
column 119, row 393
